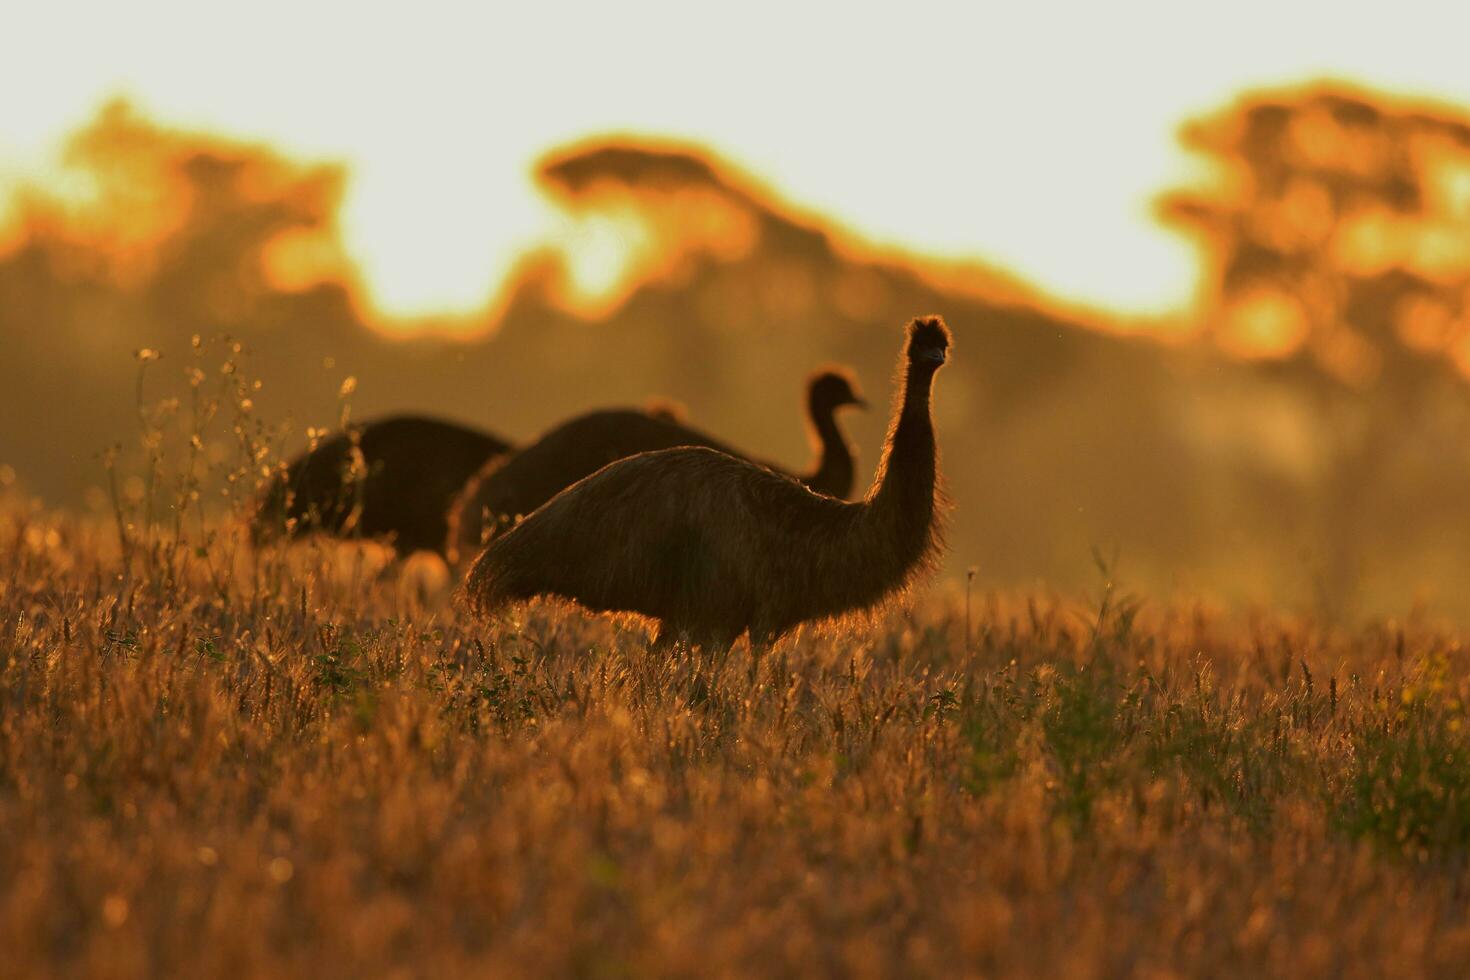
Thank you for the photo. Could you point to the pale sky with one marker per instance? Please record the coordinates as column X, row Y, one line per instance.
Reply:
column 1032, row 135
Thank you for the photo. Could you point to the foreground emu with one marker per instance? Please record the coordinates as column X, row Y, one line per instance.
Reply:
column 712, row 546
column 519, row 483
column 409, row 471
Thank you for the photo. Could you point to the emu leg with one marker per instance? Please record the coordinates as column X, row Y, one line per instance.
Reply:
column 761, row 641
column 390, row 568
column 714, row 650
column 666, row 639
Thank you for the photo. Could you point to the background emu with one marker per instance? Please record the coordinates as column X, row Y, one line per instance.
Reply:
column 519, row 483
column 398, row 489
column 712, row 546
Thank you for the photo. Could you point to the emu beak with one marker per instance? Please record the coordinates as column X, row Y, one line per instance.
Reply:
column 859, row 401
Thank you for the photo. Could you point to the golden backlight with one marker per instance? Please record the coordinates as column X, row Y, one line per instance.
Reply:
column 1302, row 246
column 357, row 358
column 952, row 132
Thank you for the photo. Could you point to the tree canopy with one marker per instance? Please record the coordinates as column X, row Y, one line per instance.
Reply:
column 1337, row 231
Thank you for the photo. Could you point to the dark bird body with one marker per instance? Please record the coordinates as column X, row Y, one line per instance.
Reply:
column 398, row 489
column 520, row 482
column 713, row 546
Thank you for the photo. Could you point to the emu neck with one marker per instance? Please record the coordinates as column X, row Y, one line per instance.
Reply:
column 834, row 470
column 904, row 488
column 892, row 534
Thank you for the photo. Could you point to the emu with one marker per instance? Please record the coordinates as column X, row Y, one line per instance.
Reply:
column 517, row 484
column 398, row 489
column 711, row 546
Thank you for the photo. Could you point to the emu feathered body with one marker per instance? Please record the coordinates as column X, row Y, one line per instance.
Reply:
column 409, row 470
column 520, row 482
column 713, row 546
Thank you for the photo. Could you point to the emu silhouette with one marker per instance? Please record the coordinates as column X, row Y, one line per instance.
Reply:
column 520, row 482
column 712, row 546
column 399, row 489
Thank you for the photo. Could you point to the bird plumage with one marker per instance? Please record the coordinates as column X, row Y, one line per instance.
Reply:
column 520, row 482
column 391, row 479
column 713, row 546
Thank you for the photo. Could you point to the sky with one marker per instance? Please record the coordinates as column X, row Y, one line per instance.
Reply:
column 1029, row 135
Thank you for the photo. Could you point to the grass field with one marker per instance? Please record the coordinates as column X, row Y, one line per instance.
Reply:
column 213, row 764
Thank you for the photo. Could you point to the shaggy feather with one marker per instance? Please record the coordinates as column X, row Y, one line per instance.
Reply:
column 517, row 484
column 713, row 546
column 391, row 479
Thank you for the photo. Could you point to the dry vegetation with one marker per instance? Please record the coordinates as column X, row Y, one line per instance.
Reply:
column 296, row 768
column 219, row 762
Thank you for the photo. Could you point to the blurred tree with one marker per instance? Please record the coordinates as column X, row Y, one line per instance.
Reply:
column 216, row 227
column 1337, row 238
column 156, row 236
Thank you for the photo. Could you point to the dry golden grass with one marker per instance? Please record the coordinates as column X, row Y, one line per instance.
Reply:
column 294, row 768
